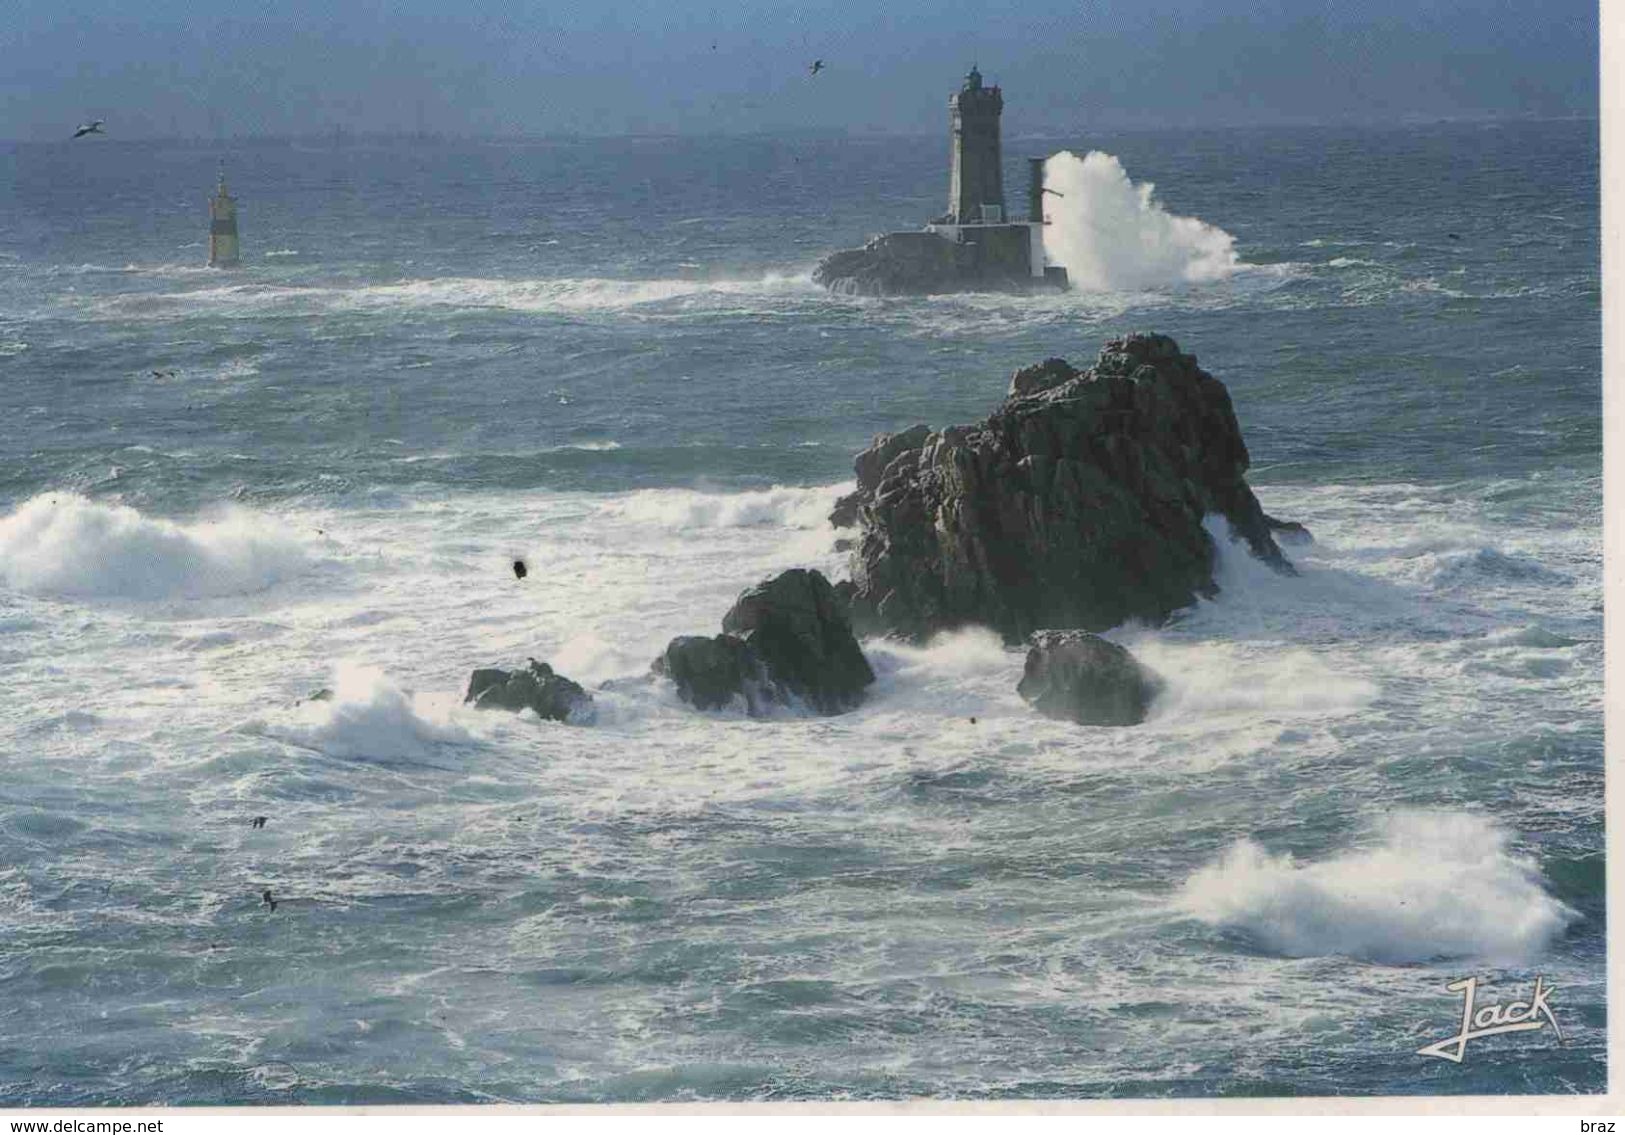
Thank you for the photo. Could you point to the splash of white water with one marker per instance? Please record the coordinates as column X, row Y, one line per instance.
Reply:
column 1114, row 235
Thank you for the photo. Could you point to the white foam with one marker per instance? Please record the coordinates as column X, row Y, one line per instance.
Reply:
column 1435, row 885
column 683, row 509
column 370, row 716
column 65, row 545
column 583, row 295
column 1204, row 679
column 1114, row 235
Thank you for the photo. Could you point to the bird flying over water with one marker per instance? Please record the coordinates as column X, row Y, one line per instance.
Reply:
column 817, row 66
column 93, row 127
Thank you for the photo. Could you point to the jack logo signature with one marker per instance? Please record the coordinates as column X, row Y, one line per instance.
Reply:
column 1492, row 1020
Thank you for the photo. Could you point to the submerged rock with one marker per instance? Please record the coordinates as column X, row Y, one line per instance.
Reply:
column 553, row 696
column 785, row 640
column 1077, row 676
column 1079, row 502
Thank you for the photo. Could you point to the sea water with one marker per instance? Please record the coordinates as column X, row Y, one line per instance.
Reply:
column 606, row 357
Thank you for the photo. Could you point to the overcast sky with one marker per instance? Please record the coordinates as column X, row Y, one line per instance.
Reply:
column 156, row 67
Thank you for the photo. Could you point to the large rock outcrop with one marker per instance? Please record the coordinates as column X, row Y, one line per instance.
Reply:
column 1077, row 676
column 552, row 696
column 785, row 640
column 1078, row 503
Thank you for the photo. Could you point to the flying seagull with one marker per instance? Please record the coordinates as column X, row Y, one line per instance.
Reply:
column 817, row 66
column 89, row 128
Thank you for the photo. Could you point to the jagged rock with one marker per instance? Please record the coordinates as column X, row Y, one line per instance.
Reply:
column 785, row 640
column 553, row 696
column 897, row 264
column 1077, row 676
column 923, row 263
column 845, row 512
column 870, row 466
column 798, row 626
column 1079, row 502
column 1040, row 377
column 1286, row 531
column 711, row 672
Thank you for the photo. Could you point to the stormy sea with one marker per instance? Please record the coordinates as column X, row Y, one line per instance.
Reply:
column 224, row 491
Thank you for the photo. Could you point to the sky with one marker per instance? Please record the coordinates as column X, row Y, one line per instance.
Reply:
column 606, row 67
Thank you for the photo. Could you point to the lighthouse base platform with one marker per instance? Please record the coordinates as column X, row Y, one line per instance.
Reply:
column 941, row 259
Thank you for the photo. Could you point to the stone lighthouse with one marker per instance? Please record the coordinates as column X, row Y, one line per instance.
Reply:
column 976, row 177
column 975, row 246
column 222, row 226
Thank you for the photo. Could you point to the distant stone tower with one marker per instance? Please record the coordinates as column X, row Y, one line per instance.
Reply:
column 976, row 183
column 223, row 251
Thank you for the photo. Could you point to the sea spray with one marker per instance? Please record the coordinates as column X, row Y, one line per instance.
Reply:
column 1114, row 235
column 1437, row 885
column 370, row 716
column 62, row 544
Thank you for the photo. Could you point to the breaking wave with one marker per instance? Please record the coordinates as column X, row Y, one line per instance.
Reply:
column 370, row 716
column 569, row 296
column 1114, row 235
column 1438, row 885
column 683, row 509
column 65, row 545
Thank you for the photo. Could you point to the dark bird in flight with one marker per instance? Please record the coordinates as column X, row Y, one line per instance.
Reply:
column 817, row 66
column 519, row 569
column 257, row 822
column 267, row 900
column 89, row 128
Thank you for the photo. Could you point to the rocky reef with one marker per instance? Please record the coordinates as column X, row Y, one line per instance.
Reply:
column 787, row 640
column 1078, row 503
column 552, row 696
column 1077, row 676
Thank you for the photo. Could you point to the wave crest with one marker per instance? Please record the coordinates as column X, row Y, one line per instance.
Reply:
column 65, row 545
column 1438, row 885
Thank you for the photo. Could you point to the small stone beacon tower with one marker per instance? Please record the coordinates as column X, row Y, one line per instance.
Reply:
column 223, row 252
column 976, row 181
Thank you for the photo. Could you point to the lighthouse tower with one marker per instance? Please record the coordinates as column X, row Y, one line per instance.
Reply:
column 222, row 226
column 976, row 180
